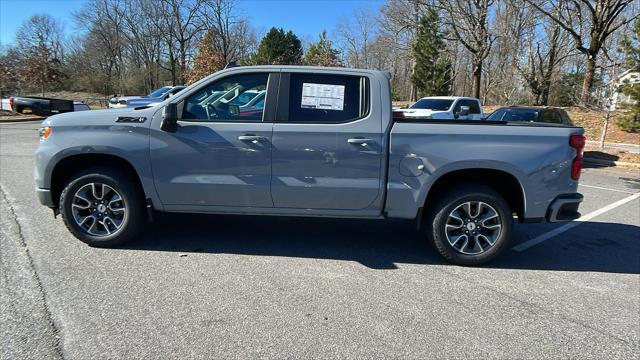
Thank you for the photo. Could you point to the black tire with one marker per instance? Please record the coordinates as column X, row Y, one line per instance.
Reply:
column 132, row 199
column 436, row 221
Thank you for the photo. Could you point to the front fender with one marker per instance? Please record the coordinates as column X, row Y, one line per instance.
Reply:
column 127, row 142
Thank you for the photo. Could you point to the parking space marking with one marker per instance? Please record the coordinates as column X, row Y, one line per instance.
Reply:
column 548, row 235
column 604, row 188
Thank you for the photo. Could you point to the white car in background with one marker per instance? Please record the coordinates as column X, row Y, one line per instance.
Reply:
column 444, row 108
column 155, row 97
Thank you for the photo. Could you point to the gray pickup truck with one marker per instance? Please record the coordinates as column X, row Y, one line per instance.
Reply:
column 323, row 142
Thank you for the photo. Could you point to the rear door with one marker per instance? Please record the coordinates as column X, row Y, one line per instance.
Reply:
column 327, row 143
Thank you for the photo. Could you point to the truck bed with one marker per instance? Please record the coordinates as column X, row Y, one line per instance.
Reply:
column 536, row 154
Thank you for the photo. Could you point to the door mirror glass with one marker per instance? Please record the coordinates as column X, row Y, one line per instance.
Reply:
column 464, row 111
column 170, row 117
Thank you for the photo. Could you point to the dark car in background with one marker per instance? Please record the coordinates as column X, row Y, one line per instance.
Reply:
column 41, row 106
column 531, row 114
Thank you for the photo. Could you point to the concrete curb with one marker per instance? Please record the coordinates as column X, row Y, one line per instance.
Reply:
column 611, row 163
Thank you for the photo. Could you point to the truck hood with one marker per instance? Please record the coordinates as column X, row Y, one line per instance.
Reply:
column 421, row 113
column 417, row 112
column 98, row 117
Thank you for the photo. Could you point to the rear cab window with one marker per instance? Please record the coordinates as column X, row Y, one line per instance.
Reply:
column 323, row 98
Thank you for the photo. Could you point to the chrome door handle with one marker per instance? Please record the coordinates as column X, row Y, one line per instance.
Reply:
column 361, row 141
column 250, row 137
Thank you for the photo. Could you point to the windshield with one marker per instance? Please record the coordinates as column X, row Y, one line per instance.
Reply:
column 432, row 104
column 159, row 92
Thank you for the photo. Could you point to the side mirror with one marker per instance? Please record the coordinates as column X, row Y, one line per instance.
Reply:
column 170, row 118
column 464, row 110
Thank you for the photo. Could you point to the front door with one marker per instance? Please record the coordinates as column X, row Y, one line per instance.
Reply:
column 220, row 154
column 327, row 144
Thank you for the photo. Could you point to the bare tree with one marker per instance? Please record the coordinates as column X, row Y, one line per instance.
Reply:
column 232, row 37
column 181, row 28
column 501, row 78
column 355, row 36
column 105, row 30
column 544, row 59
column 590, row 23
column 38, row 31
column 468, row 22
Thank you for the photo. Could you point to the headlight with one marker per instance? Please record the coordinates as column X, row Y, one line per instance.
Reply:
column 44, row 133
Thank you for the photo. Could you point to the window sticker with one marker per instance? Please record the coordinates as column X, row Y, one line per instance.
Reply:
column 322, row 96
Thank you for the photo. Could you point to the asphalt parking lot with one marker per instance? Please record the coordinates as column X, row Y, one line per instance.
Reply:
column 246, row 287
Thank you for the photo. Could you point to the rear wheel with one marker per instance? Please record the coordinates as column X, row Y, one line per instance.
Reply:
column 470, row 225
column 103, row 207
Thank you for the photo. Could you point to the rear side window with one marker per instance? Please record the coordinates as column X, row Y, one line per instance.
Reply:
column 327, row 98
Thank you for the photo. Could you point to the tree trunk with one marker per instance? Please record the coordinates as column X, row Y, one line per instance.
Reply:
column 475, row 83
column 587, row 84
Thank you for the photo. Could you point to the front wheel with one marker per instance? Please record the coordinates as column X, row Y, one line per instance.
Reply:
column 103, row 207
column 470, row 225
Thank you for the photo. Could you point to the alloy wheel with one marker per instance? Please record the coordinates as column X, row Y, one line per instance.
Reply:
column 473, row 227
column 99, row 209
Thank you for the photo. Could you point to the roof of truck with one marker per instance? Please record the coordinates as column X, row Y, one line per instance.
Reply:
column 298, row 68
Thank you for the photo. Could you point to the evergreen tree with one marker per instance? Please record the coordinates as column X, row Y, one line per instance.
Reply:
column 432, row 72
column 278, row 48
column 631, row 47
column 322, row 53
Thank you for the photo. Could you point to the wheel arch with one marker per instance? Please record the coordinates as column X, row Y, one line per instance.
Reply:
column 68, row 166
column 503, row 182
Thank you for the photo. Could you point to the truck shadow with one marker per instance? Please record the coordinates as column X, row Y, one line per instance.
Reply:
column 594, row 159
column 380, row 245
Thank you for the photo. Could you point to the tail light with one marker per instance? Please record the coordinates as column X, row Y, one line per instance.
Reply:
column 398, row 115
column 577, row 142
column 11, row 104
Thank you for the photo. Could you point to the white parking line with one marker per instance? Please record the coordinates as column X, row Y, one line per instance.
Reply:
column 548, row 235
column 604, row 188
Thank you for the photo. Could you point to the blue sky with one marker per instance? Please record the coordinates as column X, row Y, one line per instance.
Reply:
column 305, row 18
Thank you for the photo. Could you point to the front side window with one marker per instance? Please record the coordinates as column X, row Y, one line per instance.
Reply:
column 223, row 99
column 327, row 98
column 474, row 107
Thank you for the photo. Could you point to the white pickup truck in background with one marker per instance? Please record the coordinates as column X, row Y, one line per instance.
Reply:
column 444, row 108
